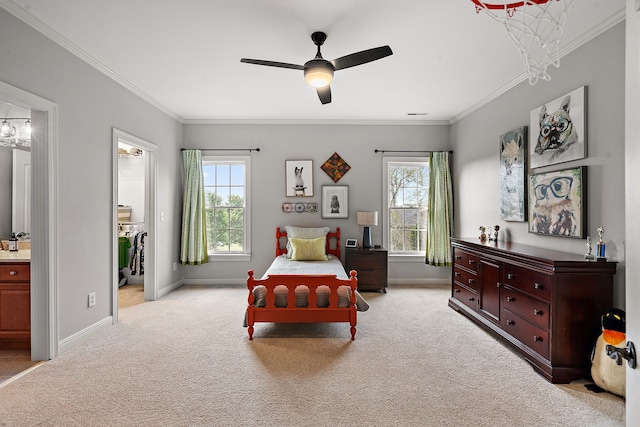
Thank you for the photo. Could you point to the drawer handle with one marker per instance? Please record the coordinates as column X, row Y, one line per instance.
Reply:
column 472, row 261
column 13, row 272
column 472, row 299
column 511, row 276
column 538, row 286
column 537, row 312
column 457, row 274
column 471, row 280
column 511, row 299
column 458, row 257
column 457, row 291
column 537, row 338
column 510, row 322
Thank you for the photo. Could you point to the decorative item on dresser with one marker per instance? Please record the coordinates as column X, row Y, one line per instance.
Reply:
column 545, row 304
column 371, row 265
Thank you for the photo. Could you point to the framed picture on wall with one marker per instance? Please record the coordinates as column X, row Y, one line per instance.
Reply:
column 558, row 130
column 298, row 178
column 335, row 201
column 557, row 203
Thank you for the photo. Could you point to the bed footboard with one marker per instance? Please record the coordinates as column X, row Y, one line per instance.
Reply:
column 295, row 309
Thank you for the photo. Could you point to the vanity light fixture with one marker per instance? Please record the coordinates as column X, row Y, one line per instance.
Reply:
column 9, row 134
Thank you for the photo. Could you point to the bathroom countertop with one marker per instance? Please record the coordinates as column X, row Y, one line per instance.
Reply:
column 22, row 255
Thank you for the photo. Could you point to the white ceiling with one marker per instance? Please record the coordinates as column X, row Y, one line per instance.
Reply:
column 184, row 56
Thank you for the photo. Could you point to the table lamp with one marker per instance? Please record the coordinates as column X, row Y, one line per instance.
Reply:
column 367, row 219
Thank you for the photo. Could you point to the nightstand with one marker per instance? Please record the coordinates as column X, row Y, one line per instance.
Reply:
column 371, row 265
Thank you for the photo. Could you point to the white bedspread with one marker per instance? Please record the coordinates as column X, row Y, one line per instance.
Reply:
column 283, row 265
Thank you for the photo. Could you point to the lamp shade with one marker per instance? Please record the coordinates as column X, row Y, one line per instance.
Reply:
column 367, row 218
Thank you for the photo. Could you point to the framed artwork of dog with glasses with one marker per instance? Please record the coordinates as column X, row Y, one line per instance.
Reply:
column 557, row 131
column 557, row 203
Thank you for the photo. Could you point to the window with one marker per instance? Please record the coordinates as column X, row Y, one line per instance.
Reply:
column 406, row 204
column 226, row 191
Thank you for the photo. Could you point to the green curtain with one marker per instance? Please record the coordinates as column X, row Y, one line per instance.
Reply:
column 193, row 244
column 440, row 225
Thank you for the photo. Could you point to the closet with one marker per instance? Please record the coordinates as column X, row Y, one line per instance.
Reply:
column 131, row 217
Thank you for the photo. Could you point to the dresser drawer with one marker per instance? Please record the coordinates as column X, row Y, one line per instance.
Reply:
column 15, row 272
column 465, row 277
column 528, row 281
column 465, row 259
column 531, row 309
column 465, row 296
column 527, row 333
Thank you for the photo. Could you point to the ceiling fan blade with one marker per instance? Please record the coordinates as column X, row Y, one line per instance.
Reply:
column 324, row 93
column 362, row 57
column 272, row 63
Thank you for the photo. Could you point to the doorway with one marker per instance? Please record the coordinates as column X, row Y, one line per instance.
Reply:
column 44, row 222
column 134, row 206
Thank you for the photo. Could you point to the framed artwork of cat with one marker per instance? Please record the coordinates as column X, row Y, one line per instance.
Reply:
column 557, row 130
column 557, row 203
column 298, row 178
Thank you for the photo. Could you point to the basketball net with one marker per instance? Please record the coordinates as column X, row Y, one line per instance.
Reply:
column 535, row 27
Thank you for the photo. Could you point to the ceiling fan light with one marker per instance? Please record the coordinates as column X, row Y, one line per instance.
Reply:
column 318, row 73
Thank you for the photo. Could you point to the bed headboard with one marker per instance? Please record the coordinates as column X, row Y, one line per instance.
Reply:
column 332, row 248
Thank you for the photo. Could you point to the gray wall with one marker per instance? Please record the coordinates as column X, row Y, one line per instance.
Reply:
column 89, row 105
column 356, row 145
column 600, row 66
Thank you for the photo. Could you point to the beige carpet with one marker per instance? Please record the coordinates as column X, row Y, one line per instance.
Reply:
column 12, row 362
column 185, row 360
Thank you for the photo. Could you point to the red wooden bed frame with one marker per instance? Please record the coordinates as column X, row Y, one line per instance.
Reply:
column 311, row 313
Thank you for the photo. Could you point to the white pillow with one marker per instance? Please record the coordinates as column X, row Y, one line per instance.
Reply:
column 303, row 233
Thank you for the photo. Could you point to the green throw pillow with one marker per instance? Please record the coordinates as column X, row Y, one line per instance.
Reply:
column 308, row 249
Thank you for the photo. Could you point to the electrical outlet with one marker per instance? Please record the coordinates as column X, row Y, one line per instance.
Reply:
column 175, row 266
column 92, row 299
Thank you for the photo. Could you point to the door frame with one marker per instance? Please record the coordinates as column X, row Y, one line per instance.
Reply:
column 150, row 223
column 44, row 219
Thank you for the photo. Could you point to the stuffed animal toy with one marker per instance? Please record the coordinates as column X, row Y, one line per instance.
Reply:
column 605, row 371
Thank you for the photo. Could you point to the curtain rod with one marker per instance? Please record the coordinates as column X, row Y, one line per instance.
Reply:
column 409, row 151
column 222, row 149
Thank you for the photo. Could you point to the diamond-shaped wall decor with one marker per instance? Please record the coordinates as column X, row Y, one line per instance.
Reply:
column 335, row 167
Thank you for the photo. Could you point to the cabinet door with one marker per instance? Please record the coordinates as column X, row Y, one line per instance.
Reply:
column 490, row 290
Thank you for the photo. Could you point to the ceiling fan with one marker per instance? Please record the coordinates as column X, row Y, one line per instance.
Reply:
column 318, row 72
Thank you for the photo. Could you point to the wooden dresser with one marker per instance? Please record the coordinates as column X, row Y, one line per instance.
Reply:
column 545, row 304
column 371, row 265
column 15, row 303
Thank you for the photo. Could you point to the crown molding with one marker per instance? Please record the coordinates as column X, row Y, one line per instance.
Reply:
column 56, row 37
column 346, row 122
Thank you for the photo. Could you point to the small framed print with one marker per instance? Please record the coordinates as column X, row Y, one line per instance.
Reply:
column 351, row 243
column 299, row 178
column 335, row 201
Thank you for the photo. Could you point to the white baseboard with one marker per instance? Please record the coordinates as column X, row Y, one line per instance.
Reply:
column 172, row 287
column 84, row 334
column 215, row 282
column 419, row 282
